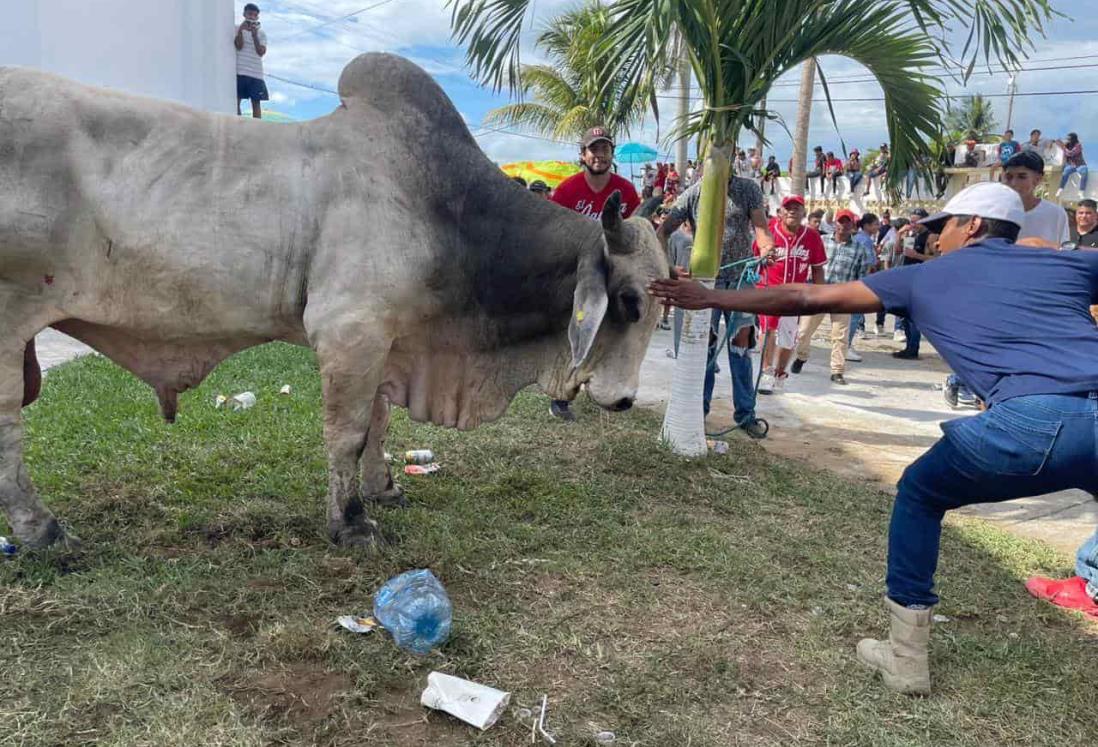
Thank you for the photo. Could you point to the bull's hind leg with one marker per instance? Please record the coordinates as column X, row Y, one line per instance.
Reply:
column 30, row 521
column 350, row 379
column 377, row 481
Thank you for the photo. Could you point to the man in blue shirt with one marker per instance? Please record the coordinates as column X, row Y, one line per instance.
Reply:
column 987, row 306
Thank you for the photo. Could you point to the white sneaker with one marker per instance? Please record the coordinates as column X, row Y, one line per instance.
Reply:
column 899, row 336
column 853, row 355
column 766, row 382
column 873, row 331
column 779, row 383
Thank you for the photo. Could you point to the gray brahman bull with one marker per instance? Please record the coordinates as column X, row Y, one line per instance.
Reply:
column 380, row 236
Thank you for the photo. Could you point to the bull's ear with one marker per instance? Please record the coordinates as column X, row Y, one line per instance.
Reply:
column 589, row 305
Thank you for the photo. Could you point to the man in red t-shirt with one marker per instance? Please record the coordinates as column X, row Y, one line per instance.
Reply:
column 798, row 254
column 586, row 192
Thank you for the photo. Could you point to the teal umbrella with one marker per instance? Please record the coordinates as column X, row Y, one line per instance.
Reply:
column 634, row 153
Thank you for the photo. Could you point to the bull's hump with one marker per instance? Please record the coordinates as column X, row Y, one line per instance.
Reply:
column 391, row 84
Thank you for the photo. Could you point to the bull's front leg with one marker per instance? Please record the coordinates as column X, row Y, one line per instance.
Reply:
column 377, row 481
column 350, row 380
column 30, row 521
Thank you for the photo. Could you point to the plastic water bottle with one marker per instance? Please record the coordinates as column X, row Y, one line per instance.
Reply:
column 7, row 549
column 419, row 456
column 415, row 609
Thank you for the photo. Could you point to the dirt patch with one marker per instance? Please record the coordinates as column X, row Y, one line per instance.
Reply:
column 398, row 719
column 239, row 626
column 300, row 694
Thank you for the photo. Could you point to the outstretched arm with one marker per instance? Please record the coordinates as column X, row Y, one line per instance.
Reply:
column 783, row 300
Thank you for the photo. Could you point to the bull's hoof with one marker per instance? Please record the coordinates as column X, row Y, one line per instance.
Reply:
column 363, row 535
column 391, row 498
column 50, row 535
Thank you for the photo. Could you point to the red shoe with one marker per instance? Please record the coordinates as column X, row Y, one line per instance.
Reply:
column 1069, row 593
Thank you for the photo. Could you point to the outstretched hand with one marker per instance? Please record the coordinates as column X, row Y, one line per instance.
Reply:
column 681, row 291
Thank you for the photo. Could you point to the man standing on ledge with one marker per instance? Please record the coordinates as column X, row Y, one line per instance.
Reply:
column 251, row 44
column 586, row 192
column 1040, row 432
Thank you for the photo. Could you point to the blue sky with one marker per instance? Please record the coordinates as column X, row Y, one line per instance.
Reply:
column 309, row 43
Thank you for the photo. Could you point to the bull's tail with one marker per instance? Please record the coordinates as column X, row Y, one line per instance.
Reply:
column 32, row 375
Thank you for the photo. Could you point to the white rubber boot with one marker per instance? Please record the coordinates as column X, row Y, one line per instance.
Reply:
column 902, row 659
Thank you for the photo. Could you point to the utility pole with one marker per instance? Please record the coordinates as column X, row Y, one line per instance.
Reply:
column 761, row 135
column 1012, row 88
column 684, row 112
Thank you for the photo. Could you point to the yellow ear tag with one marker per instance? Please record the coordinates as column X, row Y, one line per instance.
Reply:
column 580, row 315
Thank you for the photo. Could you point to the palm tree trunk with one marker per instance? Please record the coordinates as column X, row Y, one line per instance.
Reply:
column 684, row 421
column 800, row 136
column 684, row 112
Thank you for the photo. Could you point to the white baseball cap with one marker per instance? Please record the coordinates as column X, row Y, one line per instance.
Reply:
column 986, row 199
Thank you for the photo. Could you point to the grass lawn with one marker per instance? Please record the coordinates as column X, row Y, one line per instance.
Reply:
column 713, row 602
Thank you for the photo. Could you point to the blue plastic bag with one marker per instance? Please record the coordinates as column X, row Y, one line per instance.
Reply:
column 415, row 609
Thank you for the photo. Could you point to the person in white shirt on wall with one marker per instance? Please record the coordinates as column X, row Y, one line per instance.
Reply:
column 1044, row 220
column 251, row 44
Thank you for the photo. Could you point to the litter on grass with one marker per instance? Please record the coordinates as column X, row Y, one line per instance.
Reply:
column 241, row 401
column 416, row 610
column 717, row 447
column 285, row 390
column 419, row 456
column 357, row 624
column 422, row 469
column 7, row 549
column 475, row 704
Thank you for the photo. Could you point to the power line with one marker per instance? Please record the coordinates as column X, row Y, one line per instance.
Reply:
column 334, row 21
column 303, row 85
column 944, row 96
column 871, row 79
column 479, row 131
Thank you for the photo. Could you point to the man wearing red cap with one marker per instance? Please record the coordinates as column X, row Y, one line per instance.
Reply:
column 585, row 193
column 846, row 262
column 798, row 254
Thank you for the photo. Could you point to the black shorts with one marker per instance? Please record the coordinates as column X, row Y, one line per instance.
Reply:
column 248, row 87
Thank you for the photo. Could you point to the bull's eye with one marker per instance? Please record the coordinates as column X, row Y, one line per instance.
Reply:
column 630, row 302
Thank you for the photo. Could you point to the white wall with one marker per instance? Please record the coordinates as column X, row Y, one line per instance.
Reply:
column 171, row 49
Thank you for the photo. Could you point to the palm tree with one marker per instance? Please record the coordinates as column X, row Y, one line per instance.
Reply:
column 800, row 133
column 974, row 115
column 571, row 94
column 737, row 49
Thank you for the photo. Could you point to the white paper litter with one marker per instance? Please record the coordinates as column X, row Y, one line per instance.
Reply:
column 357, row 624
column 941, row 619
column 285, row 389
column 475, row 704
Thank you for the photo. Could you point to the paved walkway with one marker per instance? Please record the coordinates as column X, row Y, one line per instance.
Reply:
column 54, row 348
column 873, row 428
column 869, row 430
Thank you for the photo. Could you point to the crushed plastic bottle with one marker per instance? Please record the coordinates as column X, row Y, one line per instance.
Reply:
column 7, row 549
column 416, row 610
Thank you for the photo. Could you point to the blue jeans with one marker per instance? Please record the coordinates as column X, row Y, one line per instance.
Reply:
column 1025, row 446
column 855, row 179
column 1069, row 170
column 962, row 388
column 856, row 321
column 1086, row 565
column 910, row 177
column 739, row 362
column 914, row 336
